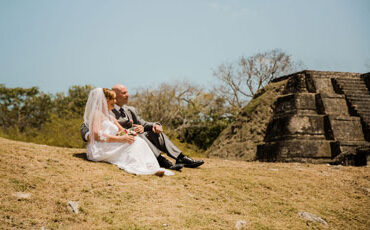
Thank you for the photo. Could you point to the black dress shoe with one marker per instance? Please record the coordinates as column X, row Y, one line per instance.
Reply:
column 189, row 163
column 165, row 163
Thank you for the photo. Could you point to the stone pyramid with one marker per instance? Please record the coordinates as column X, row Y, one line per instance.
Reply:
column 321, row 117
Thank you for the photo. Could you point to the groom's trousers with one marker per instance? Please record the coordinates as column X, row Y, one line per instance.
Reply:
column 160, row 143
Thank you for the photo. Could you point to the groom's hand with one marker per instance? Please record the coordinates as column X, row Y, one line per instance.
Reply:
column 138, row 128
column 157, row 128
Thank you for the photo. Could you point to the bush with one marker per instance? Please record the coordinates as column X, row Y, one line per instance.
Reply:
column 57, row 132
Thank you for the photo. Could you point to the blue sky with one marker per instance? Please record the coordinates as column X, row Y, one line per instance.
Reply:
column 57, row 44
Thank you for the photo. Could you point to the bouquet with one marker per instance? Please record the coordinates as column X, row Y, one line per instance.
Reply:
column 130, row 131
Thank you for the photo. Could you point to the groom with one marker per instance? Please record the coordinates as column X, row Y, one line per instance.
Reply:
column 149, row 131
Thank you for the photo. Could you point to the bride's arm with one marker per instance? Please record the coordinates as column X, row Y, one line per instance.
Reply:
column 103, row 137
column 120, row 128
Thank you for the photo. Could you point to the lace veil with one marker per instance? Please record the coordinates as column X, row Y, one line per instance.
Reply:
column 96, row 111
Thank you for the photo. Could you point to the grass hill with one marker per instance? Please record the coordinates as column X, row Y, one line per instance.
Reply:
column 214, row 196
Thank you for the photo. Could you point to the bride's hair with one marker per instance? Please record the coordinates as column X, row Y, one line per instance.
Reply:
column 109, row 94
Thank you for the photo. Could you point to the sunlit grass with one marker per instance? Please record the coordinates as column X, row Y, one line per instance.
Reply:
column 214, row 196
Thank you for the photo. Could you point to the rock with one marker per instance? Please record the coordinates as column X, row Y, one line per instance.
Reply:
column 74, row 206
column 337, row 167
column 311, row 217
column 22, row 195
column 274, row 170
column 240, row 224
column 165, row 225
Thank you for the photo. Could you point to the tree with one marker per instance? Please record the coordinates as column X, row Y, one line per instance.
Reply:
column 187, row 111
column 23, row 107
column 209, row 118
column 72, row 105
column 240, row 81
column 166, row 104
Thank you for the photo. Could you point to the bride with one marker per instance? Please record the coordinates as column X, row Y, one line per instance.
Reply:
column 109, row 142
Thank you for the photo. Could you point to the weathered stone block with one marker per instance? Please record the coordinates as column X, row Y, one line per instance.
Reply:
column 333, row 104
column 296, row 126
column 323, row 84
column 303, row 103
column 346, row 128
column 288, row 149
column 296, row 84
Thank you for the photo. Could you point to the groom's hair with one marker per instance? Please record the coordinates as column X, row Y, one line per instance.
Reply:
column 109, row 94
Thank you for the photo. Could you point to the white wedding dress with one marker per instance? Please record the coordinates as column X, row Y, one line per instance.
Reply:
column 135, row 158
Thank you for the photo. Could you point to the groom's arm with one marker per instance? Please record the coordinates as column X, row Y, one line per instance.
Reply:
column 148, row 126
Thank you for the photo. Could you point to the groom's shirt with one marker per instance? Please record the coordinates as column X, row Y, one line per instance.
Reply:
column 123, row 116
column 119, row 109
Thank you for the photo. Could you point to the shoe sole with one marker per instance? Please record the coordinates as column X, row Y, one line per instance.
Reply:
column 177, row 168
column 194, row 165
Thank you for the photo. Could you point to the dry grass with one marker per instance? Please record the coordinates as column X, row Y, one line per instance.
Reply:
column 215, row 196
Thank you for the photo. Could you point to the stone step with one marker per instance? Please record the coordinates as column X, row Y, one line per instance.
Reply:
column 351, row 146
column 365, row 117
column 362, row 105
column 355, row 88
column 350, row 80
column 359, row 104
column 367, row 121
column 355, row 143
column 356, row 92
column 355, row 98
column 352, row 83
column 363, row 110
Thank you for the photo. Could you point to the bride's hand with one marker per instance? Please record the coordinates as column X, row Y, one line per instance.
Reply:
column 127, row 139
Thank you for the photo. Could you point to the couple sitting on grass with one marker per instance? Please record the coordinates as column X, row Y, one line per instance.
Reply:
column 116, row 134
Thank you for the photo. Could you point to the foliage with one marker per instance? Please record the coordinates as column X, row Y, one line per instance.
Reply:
column 30, row 115
column 195, row 116
column 72, row 105
column 23, row 108
column 166, row 104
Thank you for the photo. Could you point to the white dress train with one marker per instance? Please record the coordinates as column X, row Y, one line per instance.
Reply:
column 135, row 158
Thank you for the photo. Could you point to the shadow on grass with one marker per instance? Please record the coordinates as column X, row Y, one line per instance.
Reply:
column 81, row 155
